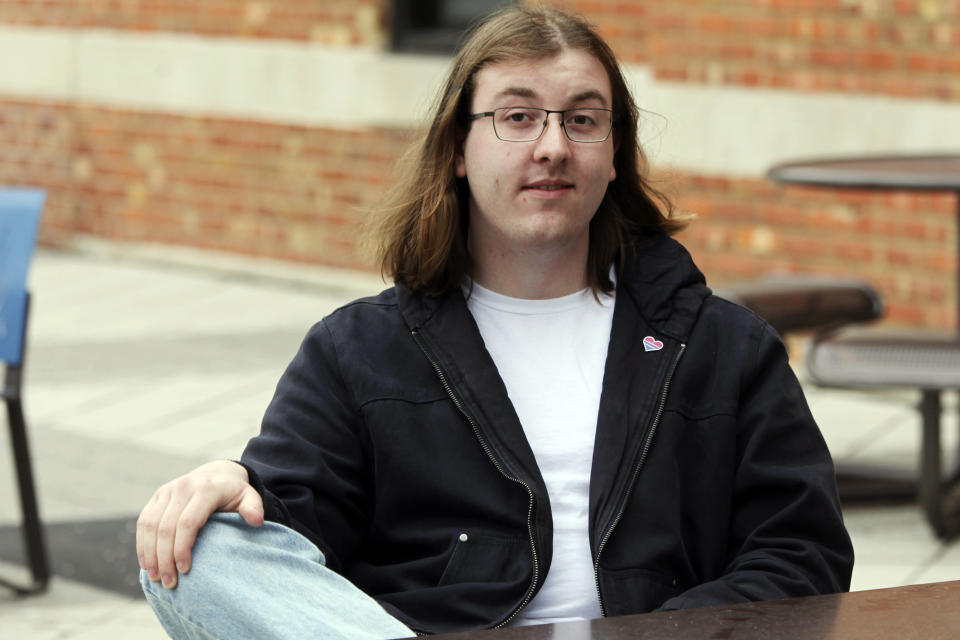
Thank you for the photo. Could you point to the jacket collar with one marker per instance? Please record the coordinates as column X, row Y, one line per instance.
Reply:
column 658, row 274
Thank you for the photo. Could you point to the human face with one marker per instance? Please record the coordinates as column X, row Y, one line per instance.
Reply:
column 541, row 194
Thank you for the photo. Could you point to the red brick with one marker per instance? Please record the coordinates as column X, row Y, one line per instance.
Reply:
column 671, row 74
column 898, row 257
column 637, row 9
column 660, row 22
column 738, row 50
column 831, row 57
column 898, row 313
column 716, row 23
column 853, row 251
column 903, row 8
column 941, row 261
column 927, row 63
column 877, row 60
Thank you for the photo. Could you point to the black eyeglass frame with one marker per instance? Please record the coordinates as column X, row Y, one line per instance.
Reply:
column 546, row 118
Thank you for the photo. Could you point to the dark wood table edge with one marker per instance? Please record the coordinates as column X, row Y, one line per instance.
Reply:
column 681, row 623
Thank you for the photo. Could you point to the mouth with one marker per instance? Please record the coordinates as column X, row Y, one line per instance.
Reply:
column 547, row 185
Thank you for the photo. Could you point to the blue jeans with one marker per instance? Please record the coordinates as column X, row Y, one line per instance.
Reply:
column 264, row 582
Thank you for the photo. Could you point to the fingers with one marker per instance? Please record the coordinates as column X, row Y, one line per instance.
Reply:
column 147, row 533
column 168, row 525
column 251, row 507
column 167, row 529
column 194, row 515
column 166, row 536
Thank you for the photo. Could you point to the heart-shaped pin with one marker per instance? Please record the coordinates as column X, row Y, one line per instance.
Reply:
column 652, row 344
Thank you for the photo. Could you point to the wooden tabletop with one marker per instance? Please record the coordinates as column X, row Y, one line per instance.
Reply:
column 917, row 612
column 913, row 172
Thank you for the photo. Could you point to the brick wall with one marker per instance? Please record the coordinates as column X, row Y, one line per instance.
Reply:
column 301, row 192
column 903, row 243
column 894, row 47
column 335, row 22
column 289, row 192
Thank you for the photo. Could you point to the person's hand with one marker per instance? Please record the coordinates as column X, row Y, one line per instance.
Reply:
column 168, row 524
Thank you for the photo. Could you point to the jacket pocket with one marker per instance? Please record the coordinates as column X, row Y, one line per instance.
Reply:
column 478, row 557
column 629, row 591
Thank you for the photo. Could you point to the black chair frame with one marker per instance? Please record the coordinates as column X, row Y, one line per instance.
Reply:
column 33, row 534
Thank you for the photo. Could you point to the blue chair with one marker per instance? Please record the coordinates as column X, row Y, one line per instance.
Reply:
column 19, row 218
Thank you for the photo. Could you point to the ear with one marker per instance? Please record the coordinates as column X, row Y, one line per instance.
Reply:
column 613, row 165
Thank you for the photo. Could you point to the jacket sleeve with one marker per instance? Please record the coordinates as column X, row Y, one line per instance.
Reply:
column 309, row 461
column 787, row 536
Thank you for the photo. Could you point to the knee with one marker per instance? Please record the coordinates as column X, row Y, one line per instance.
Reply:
column 231, row 564
column 216, row 541
column 181, row 614
column 151, row 589
column 228, row 552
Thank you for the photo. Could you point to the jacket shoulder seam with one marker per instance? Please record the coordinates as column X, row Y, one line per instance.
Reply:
column 336, row 357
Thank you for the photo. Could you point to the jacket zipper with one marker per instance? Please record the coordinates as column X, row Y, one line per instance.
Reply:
column 486, row 448
column 636, row 472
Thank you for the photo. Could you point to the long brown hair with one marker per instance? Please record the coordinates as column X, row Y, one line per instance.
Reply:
column 423, row 234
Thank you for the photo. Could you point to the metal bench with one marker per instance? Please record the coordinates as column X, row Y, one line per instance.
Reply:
column 840, row 356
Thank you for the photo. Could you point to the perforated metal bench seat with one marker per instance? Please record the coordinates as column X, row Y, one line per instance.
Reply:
column 924, row 360
column 886, row 358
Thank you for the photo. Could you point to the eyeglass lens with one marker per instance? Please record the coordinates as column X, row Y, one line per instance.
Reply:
column 519, row 124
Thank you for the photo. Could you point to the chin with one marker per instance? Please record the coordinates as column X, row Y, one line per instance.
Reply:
column 554, row 235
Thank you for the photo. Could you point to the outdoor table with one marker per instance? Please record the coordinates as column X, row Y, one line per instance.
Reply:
column 924, row 360
column 921, row 612
column 905, row 172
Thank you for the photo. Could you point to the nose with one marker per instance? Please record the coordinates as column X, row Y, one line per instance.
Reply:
column 553, row 144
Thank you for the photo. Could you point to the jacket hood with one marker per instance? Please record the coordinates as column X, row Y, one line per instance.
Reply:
column 665, row 284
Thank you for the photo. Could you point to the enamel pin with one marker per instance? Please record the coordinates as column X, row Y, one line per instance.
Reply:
column 652, row 344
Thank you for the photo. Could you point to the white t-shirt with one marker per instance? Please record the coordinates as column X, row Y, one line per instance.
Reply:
column 551, row 355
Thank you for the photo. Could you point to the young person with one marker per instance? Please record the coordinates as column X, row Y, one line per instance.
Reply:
column 548, row 417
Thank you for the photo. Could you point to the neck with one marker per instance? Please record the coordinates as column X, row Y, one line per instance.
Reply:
column 533, row 275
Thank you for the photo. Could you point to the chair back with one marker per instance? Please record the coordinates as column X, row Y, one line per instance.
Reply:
column 19, row 218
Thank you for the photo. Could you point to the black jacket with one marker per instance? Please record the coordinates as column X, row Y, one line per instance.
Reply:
column 391, row 434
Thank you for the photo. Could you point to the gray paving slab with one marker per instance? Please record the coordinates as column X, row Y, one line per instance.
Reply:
column 139, row 371
column 71, row 609
column 941, row 566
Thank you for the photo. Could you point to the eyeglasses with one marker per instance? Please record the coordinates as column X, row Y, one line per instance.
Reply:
column 524, row 124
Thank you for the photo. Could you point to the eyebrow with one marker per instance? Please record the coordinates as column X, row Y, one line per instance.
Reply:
column 525, row 92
